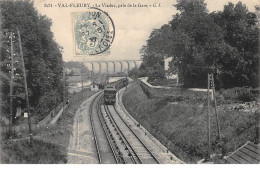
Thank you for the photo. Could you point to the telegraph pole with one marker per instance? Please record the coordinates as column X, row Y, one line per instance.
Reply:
column 82, row 83
column 215, row 106
column 208, row 120
column 64, row 87
column 11, row 84
column 25, row 86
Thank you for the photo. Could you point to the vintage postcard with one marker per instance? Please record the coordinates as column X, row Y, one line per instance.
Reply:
column 129, row 82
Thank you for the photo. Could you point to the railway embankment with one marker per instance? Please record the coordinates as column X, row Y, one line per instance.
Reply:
column 50, row 145
column 179, row 122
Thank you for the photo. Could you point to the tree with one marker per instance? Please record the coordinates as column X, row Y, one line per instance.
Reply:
column 137, row 73
column 197, row 45
column 42, row 55
column 242, row 35
column 157, row 47
column 156, row 74
column 224, row 43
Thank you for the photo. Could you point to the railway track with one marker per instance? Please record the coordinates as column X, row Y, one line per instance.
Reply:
column 114, row 139
column 105, row 147
column 130, row 150
column 138, row 151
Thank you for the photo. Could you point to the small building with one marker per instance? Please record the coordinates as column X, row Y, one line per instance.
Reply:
column 94, row 86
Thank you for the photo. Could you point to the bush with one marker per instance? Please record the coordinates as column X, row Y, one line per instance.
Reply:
column 177, row 98
column 137, row 73
column 39, row 152
column 47, row 103
column 237, row 93
column 156, row 74
column 246, row 97
column 164, row 82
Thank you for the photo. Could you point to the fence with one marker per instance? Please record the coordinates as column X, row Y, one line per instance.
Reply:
column 20, row 129
column 48, row 118
column 16, row 129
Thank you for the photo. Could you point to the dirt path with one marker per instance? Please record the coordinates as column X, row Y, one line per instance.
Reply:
column 81, row 149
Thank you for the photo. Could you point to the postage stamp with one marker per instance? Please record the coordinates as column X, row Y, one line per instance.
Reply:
column 93, row 32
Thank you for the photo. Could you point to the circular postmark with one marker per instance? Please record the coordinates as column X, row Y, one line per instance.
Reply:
column 94, row 32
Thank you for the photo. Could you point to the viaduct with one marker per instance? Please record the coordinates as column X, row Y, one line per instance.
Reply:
column 114, row 64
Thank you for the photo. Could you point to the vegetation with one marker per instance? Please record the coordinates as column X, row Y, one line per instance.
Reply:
column 224, row 43
column 238, row 94
column 42, row 55
column 38, row 153
column 75, row 65
column 49, row 145
column 182, row 126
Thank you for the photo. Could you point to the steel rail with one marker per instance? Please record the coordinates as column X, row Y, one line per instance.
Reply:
column 106, row 130
column 126, row 142
column 137, row 136
column 93, row 129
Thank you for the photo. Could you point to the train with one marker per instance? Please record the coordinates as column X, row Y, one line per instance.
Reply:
column 111, row 89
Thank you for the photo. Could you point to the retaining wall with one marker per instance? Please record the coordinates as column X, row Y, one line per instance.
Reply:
column 162, row 91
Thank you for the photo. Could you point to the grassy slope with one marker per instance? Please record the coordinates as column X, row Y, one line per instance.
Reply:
column 40, row 153
column 50, row 145
column 183, row 127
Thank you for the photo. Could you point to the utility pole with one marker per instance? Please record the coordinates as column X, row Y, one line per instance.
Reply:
column 26, row 90
column 11, row 84
column 208, row 120
column 257, row 141
column 215, row 106
column 82, row 83
column 64, row 87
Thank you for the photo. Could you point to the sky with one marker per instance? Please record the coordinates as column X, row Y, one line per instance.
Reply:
column 132, row 25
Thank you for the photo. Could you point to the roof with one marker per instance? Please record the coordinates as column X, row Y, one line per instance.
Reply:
column 110, row 88
column 249, row 153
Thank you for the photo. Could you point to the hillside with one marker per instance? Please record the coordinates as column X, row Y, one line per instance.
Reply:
column 182, row 127
column 49, row 145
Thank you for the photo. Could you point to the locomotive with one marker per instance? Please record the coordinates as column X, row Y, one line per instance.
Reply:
column 110, row 94
column 111, row 90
